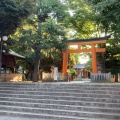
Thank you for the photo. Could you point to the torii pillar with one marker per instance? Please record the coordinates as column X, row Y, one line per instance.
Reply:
column 94, row 59
column 64, row 68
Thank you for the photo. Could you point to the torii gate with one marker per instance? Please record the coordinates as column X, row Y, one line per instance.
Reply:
column 92, row 42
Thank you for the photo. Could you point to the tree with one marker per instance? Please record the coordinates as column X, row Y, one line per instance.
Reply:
column 88, row 65
column 109, row 20
column 71, row 59
column 44, row 34
column 29, row 5
column 71, row 64
column 112, row 58
column 82, row 19
column 11, row 16
column 77, row 58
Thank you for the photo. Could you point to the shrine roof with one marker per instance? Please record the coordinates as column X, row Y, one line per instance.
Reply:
column 79, row 66
column 90, row 39
column 11, row 52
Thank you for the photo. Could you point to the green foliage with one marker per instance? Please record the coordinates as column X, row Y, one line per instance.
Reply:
column 112, row 56
column 108, row 16
column 72, row 72
column 49, row 39
column 72, row 61
column 88, row 65
column 51, row 60
column 82, row 20
column 77, row 58
column 11, row 16
column 43, row 34
column 29, row 5
column 27, row 64
column 113, row 65
column 94, row 1
column 51, row 8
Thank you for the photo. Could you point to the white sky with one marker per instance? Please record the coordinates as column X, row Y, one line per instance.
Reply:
column 83, row 59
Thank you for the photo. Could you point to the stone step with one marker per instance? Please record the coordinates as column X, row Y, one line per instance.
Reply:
column 9, row 117
column 54, row 88
column 108, row 91
column 43, row 116
column 61, row 85
column 62, row 112
column 54, row 97
column 60, row 106
column 100, row 95
column 62, row 102
column 60, row 90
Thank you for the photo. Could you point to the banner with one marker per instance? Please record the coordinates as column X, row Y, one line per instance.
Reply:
column 55, row 73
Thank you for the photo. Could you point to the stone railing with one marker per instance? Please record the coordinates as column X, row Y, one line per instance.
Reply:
column 100, row 77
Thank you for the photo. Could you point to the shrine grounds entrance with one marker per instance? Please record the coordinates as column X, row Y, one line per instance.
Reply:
column 93, row 48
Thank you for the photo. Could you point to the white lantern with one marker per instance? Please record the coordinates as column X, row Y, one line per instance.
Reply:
column 5, row 38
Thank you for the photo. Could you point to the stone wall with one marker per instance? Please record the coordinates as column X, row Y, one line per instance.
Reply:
column 49, row 77
column 11, row 77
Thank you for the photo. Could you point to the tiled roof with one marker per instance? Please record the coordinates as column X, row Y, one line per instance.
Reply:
column 79, row 66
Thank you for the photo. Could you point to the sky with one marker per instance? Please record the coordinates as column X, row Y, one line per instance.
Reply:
column 83, row 59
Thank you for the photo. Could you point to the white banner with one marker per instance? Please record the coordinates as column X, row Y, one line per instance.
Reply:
column 55, row 73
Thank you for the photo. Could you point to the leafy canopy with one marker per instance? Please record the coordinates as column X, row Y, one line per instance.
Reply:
column 11, row 16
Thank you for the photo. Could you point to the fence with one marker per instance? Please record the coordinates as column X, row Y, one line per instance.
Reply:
column 100, row 77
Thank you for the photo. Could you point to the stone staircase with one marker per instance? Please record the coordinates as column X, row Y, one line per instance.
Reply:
column 61, row 101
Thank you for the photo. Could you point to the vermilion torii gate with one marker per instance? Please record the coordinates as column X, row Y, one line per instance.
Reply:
column 93, row 49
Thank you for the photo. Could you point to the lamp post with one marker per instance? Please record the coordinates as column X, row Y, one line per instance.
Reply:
column 4, row 38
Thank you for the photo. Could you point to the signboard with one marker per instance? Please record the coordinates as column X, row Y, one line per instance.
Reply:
column 55, row 73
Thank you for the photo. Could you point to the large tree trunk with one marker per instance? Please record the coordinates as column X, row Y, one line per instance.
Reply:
column 36, row 67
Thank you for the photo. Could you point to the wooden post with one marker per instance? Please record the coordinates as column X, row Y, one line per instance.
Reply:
column 94, row 59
